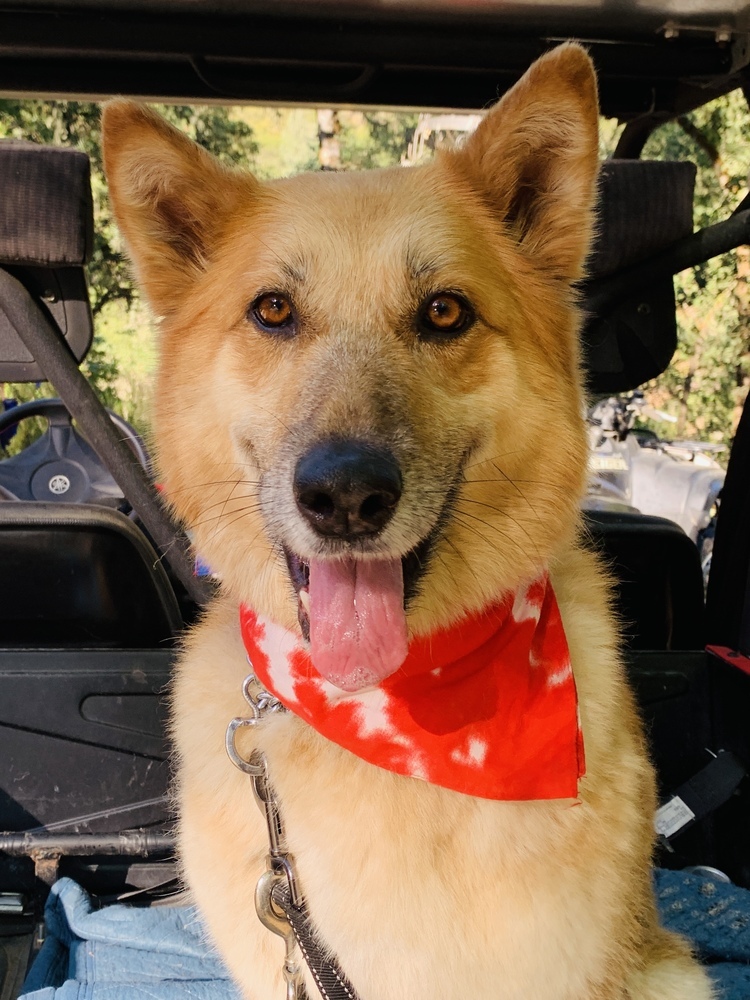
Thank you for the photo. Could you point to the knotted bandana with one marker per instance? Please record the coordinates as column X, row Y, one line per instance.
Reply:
column 486, row 707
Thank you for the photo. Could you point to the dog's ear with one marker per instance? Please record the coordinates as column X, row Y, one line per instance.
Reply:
column 534, row 158
column 170, row 198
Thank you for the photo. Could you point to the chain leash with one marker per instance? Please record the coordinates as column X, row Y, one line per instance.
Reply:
column 280, row 870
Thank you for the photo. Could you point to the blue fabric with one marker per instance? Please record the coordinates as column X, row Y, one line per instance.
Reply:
column 127, row 953
column 715, row 916
column 123, row 953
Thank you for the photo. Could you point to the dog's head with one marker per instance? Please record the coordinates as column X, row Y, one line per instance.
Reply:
column 369, row 397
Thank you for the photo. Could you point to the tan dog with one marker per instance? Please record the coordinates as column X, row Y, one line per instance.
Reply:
column 429, row 313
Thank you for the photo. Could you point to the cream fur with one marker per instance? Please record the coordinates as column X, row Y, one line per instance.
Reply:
column 420, row 891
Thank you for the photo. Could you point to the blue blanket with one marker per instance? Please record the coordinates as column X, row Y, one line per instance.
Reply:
column 123, row 953
column 128, row 953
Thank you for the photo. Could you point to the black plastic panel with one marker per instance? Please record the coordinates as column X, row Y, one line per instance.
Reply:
column 673, row 691
column 82, row 740
column 81, row 575
column 658, row 579
column 345, row 54
column 684, row 698
column 62, row 294
column 731, row 710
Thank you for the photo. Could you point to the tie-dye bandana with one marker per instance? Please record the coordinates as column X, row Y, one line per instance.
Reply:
column 487, row 707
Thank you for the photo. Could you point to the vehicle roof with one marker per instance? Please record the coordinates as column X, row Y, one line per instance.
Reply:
column 656, row 58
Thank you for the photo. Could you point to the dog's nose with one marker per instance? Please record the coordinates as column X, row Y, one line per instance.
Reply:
column 347, row 488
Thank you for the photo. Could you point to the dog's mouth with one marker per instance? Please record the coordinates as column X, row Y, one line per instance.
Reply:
column 353, row 612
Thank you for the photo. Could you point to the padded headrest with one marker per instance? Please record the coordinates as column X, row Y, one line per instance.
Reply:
column 46, row 237
column 46, row 213
column 644, row 206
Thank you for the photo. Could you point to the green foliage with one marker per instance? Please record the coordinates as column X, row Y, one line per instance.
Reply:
column 287, row 139
column 706, row 384
column 374, row 138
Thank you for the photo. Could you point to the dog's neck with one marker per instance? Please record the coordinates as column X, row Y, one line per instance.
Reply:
column 487, row 707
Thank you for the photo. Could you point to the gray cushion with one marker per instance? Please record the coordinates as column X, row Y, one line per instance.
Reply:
column 46, row 215
column 644, row 205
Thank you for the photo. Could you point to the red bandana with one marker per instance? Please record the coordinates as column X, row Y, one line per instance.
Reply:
column 487, row 707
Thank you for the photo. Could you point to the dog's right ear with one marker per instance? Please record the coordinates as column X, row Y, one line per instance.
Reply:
column 170, row 199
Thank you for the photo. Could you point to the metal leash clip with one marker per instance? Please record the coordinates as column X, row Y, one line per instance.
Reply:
column 279, row 863
column 261, row 704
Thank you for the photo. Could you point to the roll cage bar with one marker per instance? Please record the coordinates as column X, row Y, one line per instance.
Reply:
column 653, row 63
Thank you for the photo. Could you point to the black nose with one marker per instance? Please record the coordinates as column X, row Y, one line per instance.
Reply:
column 347, row 488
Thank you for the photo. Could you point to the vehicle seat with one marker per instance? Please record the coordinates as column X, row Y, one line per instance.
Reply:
column 643, row 207
column 77, row 575
column 728, row 598
column 658, row 578
column 73, row 574
column 46, row 238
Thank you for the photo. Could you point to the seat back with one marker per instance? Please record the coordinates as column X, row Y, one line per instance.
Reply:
column 658, row 579
column 46, row 237
column 643, row 207
column 80, row 576
column 728, row 597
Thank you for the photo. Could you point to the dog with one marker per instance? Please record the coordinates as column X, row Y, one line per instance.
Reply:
column 378, row 358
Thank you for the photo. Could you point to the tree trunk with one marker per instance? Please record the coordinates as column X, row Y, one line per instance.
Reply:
column 329, row 150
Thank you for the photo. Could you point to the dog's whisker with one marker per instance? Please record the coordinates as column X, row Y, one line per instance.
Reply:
column 494, row 527
column 237, row 497
column 463, row 559
column 520, row 527
column 274, row 416
column 552, row 487
column 494, row 458
column 249, row 508
column 226, row 501
column 500, row 511
column 218, row 482
column 459, row 517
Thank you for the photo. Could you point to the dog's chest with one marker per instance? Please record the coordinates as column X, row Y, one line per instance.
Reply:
column 421, row 876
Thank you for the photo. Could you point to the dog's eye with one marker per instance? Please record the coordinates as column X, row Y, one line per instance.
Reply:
column 273, row 311
column 445, row 315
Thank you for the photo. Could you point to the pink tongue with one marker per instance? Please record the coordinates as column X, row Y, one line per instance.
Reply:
column 357, row 621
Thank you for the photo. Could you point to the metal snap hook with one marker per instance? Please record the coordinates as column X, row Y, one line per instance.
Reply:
column 273, row 919
column 248, row 766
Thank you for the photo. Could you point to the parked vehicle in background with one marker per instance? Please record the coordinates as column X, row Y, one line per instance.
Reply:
column 634, row 469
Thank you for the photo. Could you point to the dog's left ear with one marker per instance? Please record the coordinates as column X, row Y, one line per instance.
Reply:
column 170, row 199
column 534, row 158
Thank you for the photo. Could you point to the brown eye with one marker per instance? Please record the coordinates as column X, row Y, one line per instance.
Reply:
column 273, row 311
column 445, row 315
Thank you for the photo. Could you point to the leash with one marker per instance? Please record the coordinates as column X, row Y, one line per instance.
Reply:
column 279, row 902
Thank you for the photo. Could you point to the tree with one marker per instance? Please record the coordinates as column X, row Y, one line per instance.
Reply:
column 706, row 384
column 371, row 139
column 329, row 147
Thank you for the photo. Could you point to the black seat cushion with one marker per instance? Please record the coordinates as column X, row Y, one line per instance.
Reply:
column 643, row 207
column 46, row 212
column 76, row 575
column 728, row 599
column 659, row 582
column 46, row 238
